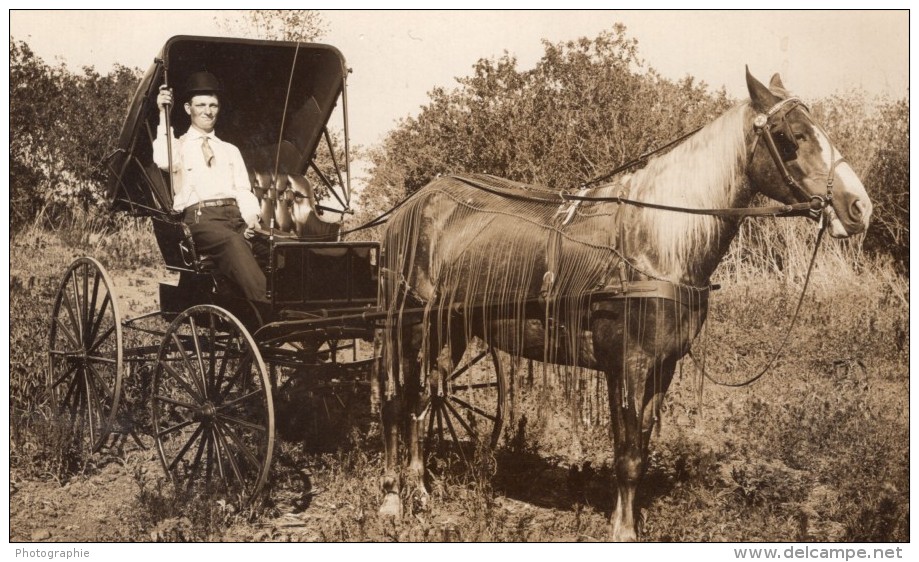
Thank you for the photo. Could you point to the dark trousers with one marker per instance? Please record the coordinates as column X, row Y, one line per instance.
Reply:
column 218, row 232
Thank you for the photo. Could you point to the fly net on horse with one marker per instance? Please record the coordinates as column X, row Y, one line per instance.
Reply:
column 524, row 268
column 492, row 249
column 513, row 259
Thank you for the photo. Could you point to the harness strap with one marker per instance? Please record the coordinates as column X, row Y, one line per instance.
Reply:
column 793, row 209
column 650, row 289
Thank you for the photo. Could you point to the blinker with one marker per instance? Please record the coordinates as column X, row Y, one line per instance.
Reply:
column 785, row 141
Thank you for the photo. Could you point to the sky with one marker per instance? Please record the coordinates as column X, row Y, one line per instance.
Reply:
column 397, row 57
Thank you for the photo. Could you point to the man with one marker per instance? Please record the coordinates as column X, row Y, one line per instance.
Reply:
column 211, row 185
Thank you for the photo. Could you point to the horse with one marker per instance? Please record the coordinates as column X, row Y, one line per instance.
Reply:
column 616, row 280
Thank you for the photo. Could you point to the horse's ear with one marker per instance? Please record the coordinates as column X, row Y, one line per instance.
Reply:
column 776, row 86
column 775, row 83
column 760, row 95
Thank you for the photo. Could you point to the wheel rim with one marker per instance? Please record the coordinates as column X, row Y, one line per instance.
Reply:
column 471, row 408
column 213, row 414
column 85, row 353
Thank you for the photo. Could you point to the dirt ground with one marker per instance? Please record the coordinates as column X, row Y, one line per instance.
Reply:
column 85, row 508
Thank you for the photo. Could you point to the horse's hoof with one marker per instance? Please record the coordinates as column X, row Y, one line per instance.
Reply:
column 391, row 506
column 623, row 533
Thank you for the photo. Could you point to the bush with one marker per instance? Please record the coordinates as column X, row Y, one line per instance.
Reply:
column 62, row 126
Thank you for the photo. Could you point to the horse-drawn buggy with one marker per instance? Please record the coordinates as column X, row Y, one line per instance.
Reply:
column 613, row 276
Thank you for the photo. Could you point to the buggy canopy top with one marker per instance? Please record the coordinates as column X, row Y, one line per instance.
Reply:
column 276, row 100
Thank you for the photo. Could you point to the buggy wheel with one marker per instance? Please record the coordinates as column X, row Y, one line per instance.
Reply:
column 85, row 350
column 213, row 414
column 471, row 407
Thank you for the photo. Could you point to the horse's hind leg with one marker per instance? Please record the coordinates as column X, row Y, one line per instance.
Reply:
column 391, row 407
column 415, row 410
column 443, row 354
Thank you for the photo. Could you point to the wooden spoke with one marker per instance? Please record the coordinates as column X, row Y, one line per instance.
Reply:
column 177, row 378
column 458, row 417
column 196, row 463
column 175, row 402
column 70, row 335
column 77, row 306
column 197, row 342
column 99, row 359
column 93, row 317
column 462, row 370
column 67, row 374
column 238, row 444
column 188, row 365
column 179, row 426
column 172, row 464
column 216, row 455
column 472, row 408
column 474, row 391
column 240, row 399
column 102, row 339
column 100, row 382
column 240, row 422
column 225, row 446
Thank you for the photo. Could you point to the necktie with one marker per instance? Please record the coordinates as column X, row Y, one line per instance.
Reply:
column 208, row 151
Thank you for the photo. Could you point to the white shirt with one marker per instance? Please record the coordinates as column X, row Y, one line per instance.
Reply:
column 194, row 181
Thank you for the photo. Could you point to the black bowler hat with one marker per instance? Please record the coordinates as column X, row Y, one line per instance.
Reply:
column 201, row 83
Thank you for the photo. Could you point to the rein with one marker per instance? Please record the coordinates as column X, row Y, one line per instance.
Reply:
column 763, row 125
column 794, row 319
column 642, row 158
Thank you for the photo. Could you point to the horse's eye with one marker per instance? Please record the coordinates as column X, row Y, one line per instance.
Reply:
column 800, row 137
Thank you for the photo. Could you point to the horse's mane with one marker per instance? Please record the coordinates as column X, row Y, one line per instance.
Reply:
column 705, row 171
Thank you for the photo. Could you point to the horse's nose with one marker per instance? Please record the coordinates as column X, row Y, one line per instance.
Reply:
column 860, row 210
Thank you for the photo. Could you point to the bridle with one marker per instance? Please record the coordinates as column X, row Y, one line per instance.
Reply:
column 773, row 129
column 777, row 135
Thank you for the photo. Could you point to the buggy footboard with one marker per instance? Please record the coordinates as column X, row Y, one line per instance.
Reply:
column 323, row 275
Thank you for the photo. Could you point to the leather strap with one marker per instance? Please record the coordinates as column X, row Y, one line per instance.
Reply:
column 213, row 203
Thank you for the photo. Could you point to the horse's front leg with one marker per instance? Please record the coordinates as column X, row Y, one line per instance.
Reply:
column 415, row 413
column 636, row 393
column 628, row 453
column 416, row 405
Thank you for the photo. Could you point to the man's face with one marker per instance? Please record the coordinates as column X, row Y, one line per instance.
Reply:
column 203, row 111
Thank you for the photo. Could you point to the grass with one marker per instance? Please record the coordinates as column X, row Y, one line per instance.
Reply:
column 816, row 450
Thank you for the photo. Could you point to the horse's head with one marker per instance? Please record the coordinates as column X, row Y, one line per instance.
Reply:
column 793, row 160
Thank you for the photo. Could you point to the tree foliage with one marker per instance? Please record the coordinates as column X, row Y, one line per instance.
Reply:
column 62, row 126
column 887, row 177
column 278, row 25
column 585, row 107
column 591, row 104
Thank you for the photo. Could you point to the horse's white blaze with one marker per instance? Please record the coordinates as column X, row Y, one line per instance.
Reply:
column 855, row 187
column 850, row 184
